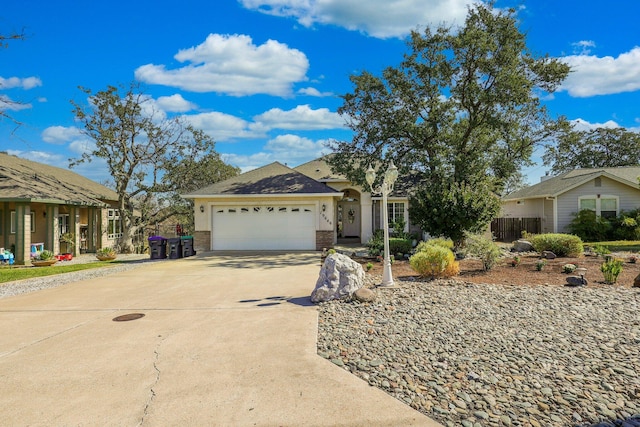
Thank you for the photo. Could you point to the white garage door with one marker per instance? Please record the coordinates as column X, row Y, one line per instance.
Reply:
column 275, row 227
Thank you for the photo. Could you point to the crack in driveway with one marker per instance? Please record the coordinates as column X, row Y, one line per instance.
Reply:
column 152, row 391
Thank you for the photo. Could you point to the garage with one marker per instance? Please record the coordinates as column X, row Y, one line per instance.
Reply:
column 260, row 227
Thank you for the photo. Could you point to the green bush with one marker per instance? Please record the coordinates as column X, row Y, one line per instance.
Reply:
column 434, row 261
column 483, row 248
column 562, row 245
column 399, row 246
column 589, row 227
column 375, row 245
column 611, row 269
column 438, row 241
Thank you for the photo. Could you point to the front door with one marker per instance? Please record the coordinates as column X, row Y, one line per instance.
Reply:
column 350, row 219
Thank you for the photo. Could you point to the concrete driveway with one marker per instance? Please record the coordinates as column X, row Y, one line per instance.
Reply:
column 226, row 340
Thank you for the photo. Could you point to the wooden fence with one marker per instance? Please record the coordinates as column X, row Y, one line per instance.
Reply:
column 510, row 229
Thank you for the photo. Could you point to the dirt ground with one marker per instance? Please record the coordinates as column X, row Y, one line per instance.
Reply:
column 525, row 273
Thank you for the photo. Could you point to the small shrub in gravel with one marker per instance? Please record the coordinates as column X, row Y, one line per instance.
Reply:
column 483, row 248
column 563, row 245
column 435, row 261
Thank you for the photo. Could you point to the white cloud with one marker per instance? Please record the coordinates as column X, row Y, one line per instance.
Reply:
column 583, row 125
column 592, row 75
column 583, row 47
column 311, row 91
column 233, row 65
column 175, row 103
column 292, row 150
column 224, row 127
column 60, row 134
column 24, row 83
column 301, row 118
column 378, row 18
column 41, row 157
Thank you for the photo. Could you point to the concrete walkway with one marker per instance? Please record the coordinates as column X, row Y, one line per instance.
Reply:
column 226, row 340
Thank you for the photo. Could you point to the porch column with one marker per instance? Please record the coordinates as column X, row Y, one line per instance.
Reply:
column 5, row 225
column 52, row 237
column 366, row 212
column 22, row 227
column 74, row 227
column 91, row 229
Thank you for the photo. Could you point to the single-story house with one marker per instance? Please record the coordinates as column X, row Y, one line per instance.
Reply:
column 276, row 207
column 40, row 203
column 556, row 200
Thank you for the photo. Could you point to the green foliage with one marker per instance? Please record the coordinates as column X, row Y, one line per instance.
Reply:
column 451, row 209
column 438, row 241
column 331, row 251
column 589, row 227
column 541, row 264
column 44, row 256
column 9, row 274
column 434, row 261
column 375, row 245
column 596, row 148
column 611, row 269
column 601, row 250
column 106, row 252
column 627, row 225
column 399, row 246
column 369, row 266
column 479, row 246
column 455, row 116
column 568, row 268
column 563, row 245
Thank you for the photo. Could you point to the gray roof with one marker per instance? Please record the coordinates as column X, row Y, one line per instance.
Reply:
column 557, row 185
column 271, row 179
column 319, row 170
column 28, row 181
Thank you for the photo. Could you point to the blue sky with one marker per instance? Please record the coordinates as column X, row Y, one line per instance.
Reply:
column 263, row 77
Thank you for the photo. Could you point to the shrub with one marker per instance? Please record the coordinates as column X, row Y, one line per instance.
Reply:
column 568, row 268
column 483, row 248
column 438, row 241
column 611, row 269
column 540, row 264
column 375, row 245
column 44, row 255
column 589, row 227
column 560, row 244
column 369, row 266
column 435, row 261
column 398, row 246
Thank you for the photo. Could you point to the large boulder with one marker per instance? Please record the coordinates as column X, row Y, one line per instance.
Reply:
column 340, row 277
column 522, row 246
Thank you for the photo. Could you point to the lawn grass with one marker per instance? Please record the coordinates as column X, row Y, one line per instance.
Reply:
column 618, row 245
column 11, row 273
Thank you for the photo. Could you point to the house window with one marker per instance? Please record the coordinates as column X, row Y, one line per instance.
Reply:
column 604, row 206
column 396, row 211
column 13, row 222
column 114, row 224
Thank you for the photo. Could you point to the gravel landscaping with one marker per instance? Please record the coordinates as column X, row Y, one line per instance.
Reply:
column 475, row 354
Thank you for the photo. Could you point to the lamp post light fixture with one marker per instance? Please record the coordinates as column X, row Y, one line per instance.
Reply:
column 385, row 189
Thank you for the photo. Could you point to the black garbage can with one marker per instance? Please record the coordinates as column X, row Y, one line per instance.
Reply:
column 187, row 246
column 157, row 247
column 175, row 248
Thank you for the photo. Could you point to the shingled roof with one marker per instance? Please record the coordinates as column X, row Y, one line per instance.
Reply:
column 23, row 180
column 272, row 179
column 557, row 185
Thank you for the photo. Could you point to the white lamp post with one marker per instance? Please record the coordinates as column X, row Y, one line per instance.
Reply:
column 385, row 189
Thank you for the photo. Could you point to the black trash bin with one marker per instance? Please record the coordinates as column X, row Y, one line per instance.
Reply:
column 157, row 247
column 175, row 248
column 187, row 246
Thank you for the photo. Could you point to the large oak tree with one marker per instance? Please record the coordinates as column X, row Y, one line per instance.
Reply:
column 460, row 115
column 151, row 159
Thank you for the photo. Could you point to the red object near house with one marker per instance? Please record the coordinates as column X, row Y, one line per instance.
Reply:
column 64, row 257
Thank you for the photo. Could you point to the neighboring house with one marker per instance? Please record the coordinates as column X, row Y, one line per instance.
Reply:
column 556, row 200
column 279, row 208
column 39, row 203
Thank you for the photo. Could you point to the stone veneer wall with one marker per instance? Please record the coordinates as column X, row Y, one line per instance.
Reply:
column 324, row 239
column 202, row 241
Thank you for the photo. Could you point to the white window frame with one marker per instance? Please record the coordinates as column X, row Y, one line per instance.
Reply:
column 114, row 215
column 13, row 222
column 598, row 199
